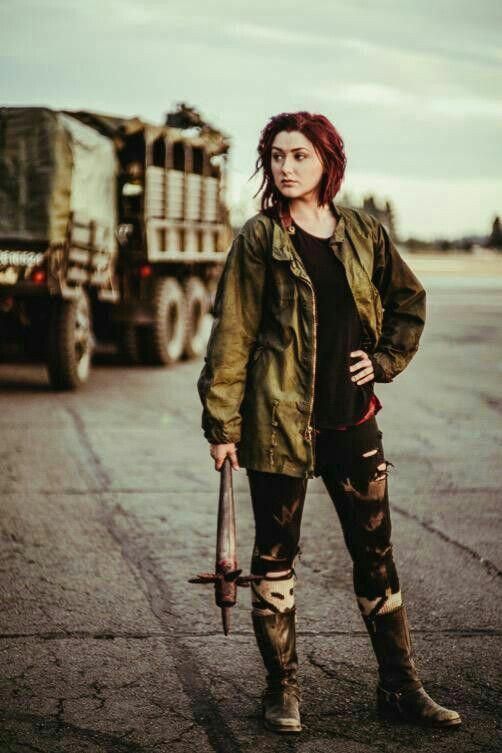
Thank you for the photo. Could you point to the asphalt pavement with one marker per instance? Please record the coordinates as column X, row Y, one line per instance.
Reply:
column 109, row 501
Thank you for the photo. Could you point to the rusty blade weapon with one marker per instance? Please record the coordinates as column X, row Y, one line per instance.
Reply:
column 227, row 575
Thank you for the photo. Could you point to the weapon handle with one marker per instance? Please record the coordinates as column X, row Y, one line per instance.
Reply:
column 226, row 473
column 226, row 536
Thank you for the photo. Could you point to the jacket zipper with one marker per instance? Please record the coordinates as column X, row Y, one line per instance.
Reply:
column 310, row 429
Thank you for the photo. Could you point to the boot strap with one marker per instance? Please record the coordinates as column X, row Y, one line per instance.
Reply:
column 287, row 686
column 394, row 696
column 289, row 690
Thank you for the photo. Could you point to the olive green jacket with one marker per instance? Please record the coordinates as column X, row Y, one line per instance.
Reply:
column 257, row 383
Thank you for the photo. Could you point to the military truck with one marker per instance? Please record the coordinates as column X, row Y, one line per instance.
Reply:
column 111, row 229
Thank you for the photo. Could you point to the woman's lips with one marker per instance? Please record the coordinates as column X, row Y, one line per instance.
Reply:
column 286, row 182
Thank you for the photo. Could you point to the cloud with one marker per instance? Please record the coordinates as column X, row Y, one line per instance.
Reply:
column 405, row 102
column 415, row 88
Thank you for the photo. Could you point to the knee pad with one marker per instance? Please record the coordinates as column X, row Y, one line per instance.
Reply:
column 271, row 594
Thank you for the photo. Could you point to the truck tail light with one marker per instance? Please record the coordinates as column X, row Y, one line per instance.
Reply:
column 38, row 276
column 145, row 271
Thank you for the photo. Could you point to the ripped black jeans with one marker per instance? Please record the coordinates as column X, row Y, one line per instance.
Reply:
column 352, row 466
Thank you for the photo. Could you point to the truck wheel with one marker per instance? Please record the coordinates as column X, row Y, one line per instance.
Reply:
column 166, row 337
column 199, row 319
column 70, row 343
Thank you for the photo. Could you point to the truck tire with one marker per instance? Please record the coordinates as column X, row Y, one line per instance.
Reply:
column 70, row 343
column 199, row 319
column 166, row 337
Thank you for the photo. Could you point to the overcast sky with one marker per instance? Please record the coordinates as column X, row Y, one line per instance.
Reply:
column 414, row 88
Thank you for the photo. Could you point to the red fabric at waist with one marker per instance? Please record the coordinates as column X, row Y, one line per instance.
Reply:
column 374, row 406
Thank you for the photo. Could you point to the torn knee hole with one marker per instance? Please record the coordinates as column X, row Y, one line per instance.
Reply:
column 373, row 487
column 382, row 470
column 379, row 476
column 278, row 574
column 370, row 453
column 263, row 564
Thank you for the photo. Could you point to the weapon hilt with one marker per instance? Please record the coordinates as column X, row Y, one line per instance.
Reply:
column 229, row 577
column 225, row 584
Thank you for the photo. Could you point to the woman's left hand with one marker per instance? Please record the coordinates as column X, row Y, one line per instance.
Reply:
column 364, row 368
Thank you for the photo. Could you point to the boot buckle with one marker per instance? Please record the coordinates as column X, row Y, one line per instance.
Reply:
column 393, row 696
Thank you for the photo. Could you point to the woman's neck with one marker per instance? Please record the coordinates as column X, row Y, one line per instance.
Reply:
column 317, row 220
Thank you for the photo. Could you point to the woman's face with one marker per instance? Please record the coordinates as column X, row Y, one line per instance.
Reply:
column 296, row 167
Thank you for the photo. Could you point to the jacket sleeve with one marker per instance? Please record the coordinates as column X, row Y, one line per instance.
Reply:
column 237, row 315
column 403, row 300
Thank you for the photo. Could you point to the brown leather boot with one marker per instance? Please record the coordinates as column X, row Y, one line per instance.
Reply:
column 276, row 639
column 400, row 694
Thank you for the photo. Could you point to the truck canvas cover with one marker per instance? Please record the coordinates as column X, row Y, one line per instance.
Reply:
column 51, row 165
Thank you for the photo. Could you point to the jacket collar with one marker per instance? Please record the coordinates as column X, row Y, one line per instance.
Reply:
column 281, row 243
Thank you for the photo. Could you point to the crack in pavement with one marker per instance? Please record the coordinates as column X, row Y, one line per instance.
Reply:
column 492, row 402
column 205, row 709
column 71, row 492
column 176, row 739
column 57, row 727
column 489, row 566
column 83, row 635
column 100, row 475
column 331, row 673
column 25, row 745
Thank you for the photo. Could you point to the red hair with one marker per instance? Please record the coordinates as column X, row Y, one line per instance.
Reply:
column 327, row 143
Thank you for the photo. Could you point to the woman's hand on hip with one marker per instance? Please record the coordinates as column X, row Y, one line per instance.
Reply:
column 363, row 368
column 220, row 451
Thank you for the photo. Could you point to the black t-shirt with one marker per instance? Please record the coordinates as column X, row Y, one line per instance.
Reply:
column 338, row 400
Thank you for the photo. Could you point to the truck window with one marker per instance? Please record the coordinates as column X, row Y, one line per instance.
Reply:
column 179, row 156
column 159, row 153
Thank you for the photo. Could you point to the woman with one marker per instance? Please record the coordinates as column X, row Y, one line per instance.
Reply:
column 314, row 305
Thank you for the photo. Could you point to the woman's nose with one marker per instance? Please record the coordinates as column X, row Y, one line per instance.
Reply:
column 287, row 166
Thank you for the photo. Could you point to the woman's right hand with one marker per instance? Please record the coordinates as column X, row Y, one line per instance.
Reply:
column 220, row 451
